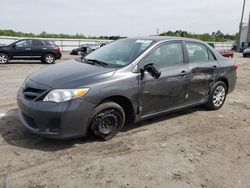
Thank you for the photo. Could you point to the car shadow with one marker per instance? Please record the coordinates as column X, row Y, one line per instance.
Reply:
column 24, row 62
column 163, row 117
column 15, row 134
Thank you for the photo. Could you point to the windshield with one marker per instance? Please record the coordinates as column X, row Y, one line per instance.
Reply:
column 120, row 53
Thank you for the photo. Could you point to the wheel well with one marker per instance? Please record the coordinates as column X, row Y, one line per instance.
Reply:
column 46, row 53
column 127, row 106
column 225, row 81
column 5, row 53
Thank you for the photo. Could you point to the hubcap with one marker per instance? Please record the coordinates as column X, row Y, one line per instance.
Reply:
column 49, row 59
column 107, row 121
column 3, row 59
column 219, row 96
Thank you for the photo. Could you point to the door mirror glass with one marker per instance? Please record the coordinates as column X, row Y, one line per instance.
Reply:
column 152, row 70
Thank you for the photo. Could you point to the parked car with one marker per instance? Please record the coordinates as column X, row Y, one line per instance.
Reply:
column 226, row 53
column 126, row 81
column 244, row 46
column 86, row 49
column 246, row 52
column 30, row 49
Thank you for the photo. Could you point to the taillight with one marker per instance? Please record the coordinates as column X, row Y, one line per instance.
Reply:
column 236, row 66
column 57, row 48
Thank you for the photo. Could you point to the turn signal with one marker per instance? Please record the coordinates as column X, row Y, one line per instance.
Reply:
column 81, row 92
column 236, row 66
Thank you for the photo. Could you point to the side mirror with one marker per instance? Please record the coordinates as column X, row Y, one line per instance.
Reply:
column 152, row 70
column 14, row 46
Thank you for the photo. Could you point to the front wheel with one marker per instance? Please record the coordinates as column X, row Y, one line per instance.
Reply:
column 48, row 58
column 107, row 120
column 4, row 58
column 217, row 96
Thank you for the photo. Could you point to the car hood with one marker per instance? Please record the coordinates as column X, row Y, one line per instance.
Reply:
column 71, row 74
column 2, row 46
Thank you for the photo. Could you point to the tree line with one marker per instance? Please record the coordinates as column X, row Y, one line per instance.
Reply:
column 8, row 32
column 217, row 36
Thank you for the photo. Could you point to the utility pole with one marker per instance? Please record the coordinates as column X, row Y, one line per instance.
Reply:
column 241, row 22
column 157, row 32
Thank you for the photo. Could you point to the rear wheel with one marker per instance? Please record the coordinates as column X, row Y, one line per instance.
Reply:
column 107, row 120
column 4, row 58
column 217, row 96
column 48, row 58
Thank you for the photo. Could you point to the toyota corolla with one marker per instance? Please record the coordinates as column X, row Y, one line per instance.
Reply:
column 124, row 82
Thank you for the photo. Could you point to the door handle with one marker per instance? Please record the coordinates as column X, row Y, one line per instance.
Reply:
column 27, row 48
column 44, row 48
column 183, row 73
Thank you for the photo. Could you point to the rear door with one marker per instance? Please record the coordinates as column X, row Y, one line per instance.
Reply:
column 203, row 67
column 37, row 48
column 170, row 89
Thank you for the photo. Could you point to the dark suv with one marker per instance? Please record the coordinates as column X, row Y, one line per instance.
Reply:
column 30, row 49
column 123, row 82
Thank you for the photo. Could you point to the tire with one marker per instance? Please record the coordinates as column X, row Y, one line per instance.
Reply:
column 244, row 55
column 107, row 120
column 49, row 59
column 217, row 96
column 4, row 58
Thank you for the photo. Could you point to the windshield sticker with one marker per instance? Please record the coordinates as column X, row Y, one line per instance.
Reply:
column 144, row 41
column 120, row 62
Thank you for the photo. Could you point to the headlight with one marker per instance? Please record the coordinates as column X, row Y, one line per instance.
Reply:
column 61, row 95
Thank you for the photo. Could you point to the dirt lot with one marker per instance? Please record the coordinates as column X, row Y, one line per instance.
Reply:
column 192, row 148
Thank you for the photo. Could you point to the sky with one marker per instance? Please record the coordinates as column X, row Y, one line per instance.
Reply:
column 121, row 17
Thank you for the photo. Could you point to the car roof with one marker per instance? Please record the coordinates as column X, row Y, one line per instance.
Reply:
column 164, row 38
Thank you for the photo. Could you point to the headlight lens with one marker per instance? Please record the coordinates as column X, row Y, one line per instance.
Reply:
column 61, row 95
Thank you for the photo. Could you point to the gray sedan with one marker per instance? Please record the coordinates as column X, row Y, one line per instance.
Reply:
column 124, row 82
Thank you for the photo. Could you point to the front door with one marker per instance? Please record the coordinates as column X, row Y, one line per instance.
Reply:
column 21, row 49
column 169, row 91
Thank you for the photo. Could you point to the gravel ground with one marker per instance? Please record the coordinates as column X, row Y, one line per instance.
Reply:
column 191, row 148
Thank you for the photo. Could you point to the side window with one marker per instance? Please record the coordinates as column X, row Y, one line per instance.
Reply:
column 166, row 55
column 49, row 43
column 37, row 43
column 197, row 52
column 211, row 56
column 23, row 44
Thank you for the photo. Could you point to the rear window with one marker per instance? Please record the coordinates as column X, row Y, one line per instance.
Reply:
column 197, row 52
column 37, row 43
column 49, row 43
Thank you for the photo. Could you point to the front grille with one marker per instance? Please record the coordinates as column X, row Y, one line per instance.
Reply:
column 33, row 93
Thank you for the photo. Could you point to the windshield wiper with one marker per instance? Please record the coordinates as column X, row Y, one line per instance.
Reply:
column 95, row 61
column 84, row 60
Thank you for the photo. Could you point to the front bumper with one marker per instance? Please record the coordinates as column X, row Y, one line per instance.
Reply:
column 246, row 52
column 55, row 120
